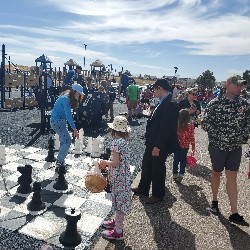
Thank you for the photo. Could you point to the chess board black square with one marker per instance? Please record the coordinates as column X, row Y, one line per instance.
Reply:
column 50, row 196
column 12, row 201
column 14, row 220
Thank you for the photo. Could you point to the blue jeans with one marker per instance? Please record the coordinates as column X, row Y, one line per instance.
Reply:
column 180, row 157
column 65, row 140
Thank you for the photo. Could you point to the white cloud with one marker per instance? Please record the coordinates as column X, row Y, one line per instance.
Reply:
column 199, row 27
column 139, row 22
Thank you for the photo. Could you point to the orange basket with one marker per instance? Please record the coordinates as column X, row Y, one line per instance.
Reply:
column 95, row 182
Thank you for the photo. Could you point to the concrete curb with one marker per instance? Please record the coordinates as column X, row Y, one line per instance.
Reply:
column 103, row 244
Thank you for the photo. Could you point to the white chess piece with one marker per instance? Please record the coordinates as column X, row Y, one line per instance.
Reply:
column 101, row 144
column 57, row 142
column 96, row 166
column 81, row 134
column 95, row 148
column 77, row 148
column 89, row 145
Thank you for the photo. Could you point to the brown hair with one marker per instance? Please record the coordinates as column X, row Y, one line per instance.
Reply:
column 73, row 101
column 119, row 134
column 184, row 120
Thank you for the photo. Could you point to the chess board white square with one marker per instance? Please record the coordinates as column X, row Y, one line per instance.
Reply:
column 12, row 166
column 101, row 198
column 48, row 174
column 12, row 158
column 30, row 150
column 69, row 201
column 42, row 228
column 36, row 157
column 88, row 224
column 24, row 209
column 42, row 165
column 13, row 177
column 77, row 172
column 51, row 188
column 10, row 151
column 2, row 193
column 17, row 147
column 4, row 211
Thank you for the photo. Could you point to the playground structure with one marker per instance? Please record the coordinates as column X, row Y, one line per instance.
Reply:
column 34, row 91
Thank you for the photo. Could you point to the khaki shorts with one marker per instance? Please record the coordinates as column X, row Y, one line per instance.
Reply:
column 229, row 160
column 132, row 104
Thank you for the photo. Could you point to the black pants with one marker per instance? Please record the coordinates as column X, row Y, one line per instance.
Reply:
column 153, row 170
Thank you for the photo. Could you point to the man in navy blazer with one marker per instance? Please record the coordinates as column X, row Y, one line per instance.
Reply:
column 161, row 140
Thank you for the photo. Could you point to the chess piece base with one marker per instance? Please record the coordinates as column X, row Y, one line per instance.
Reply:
column 67, row 240
column 61, row 183
column 35, row 206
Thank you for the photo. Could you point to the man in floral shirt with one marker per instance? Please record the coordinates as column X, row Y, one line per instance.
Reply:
column 227, row 122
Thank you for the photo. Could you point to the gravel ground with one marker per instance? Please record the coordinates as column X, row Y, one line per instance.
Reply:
column 182, row 221
column 23, row 127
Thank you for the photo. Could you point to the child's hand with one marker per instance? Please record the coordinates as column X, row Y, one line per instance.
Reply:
column 102, row 164
column 193, row 151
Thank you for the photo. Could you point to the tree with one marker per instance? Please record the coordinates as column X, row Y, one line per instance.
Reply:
column 127, row 73
column 246, row 76
column 206, row 80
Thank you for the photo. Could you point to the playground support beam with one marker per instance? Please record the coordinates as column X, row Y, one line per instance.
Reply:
column 2, row 77
column 43, row 100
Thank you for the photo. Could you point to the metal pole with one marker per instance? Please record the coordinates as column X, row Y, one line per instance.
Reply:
column 9, row 65
column 59, row 76
column 85, row 45
column 43, row 99
column 55, row 83
column 2, row 77
column 24, row 89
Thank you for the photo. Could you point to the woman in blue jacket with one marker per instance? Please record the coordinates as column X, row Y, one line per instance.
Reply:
column 60, row 115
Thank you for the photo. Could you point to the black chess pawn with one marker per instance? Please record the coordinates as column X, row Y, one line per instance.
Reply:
column 61, row 183
column 25, row 179
column 106, row 155
column 51, row 152
column 105, row 173
column 36, row 203
column 108, row 188
column 70, row 237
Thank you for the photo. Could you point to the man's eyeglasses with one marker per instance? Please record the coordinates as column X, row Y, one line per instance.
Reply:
column 194, row 94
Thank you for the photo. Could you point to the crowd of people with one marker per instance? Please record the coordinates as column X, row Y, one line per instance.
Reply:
column 170, row 130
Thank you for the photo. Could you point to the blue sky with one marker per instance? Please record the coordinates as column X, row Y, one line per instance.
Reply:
column 144, row 37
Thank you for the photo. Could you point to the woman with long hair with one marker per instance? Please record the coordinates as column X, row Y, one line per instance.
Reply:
column 191, row 103
column 60, row 115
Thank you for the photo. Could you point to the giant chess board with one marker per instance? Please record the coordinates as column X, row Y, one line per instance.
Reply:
column 23, row 229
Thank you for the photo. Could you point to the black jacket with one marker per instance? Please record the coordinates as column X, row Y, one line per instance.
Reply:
column 184, row 104
column 161, row 130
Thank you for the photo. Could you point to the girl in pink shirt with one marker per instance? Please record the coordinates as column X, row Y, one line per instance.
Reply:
column 185, row 132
